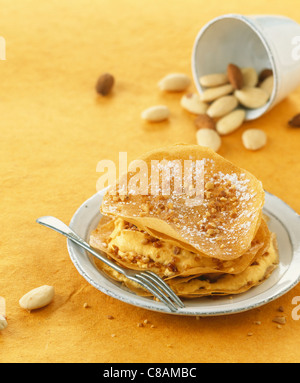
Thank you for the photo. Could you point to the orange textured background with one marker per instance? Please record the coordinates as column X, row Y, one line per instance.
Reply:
column 55, row 129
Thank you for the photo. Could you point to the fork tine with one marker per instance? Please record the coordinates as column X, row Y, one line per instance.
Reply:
column 162, row 284
column 155, row 291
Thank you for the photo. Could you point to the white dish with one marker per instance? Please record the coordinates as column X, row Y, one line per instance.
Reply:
column 284, row 221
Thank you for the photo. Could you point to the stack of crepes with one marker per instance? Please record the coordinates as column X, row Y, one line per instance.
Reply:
column 212, row 243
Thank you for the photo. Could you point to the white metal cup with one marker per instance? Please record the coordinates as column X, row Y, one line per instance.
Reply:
column 262, row 41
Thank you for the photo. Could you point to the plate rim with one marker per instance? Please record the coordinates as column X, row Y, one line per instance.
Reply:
column 159, row 307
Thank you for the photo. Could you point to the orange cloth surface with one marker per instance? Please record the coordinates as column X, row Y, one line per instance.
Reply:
column 55, row 129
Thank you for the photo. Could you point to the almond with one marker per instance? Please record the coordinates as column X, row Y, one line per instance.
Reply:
column 250, row 76
column 156, row 113
column 214, row 79
column 37, row 298
column 208, row 138
column 203, row 121
column 2, row 306
column 295, row 121
column 268, row 85
column 252, row 97
column 192, row 103
column 3, row 322
column 235, row 76
column 254, row 139
column 211, row 94
column 104, row 84
column 174, row 82
column 231, row 122
column 264, row 74
column 222, row 106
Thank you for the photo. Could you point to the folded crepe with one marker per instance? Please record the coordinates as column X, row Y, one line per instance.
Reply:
column 207, row 237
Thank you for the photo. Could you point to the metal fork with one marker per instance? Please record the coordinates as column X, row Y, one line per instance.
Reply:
column 147, row 279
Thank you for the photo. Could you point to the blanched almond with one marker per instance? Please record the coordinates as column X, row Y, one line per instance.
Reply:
column 192, row 103
column 231, row 122
column 174, row 82
column 252, row 97
column 254, row 139
column 250, row 76
column 222, row 106
column 156, row 113
column 267, row 85
column 214, row 79
column 37, row 298
column 3, row 322
column 208, row 138
column 212, row 94
column 2, row 306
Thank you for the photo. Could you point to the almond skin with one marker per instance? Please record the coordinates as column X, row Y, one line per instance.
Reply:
column 295, row 121
column 203, row 121
column 235, row 76
column 264, row 74
column 105, row 83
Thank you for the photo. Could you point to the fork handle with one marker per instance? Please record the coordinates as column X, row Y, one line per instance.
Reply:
column 62, row 228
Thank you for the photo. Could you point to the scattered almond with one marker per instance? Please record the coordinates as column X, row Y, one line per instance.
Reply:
column 208, row 138
column 222, row 106
column 104, row 84
column 267, row 85
column 250, row 76
column 203, row 121
column 192, row 103
column 3, row 322
column 235, row 76
column 231, row 122
column 37, row 298
column 156, row 113
column 252, row 97
column 211, row 94
column 295, row 121
column 280, row 320
column 257, row 322
column 264, row 74
column 174, row 82
column 2, row 306
column 214, row 79
column 254, row 139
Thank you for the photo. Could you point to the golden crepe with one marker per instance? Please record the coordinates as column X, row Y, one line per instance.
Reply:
column 216, row 242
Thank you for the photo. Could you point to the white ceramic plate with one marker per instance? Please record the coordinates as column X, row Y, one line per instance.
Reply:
column 284, row 221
